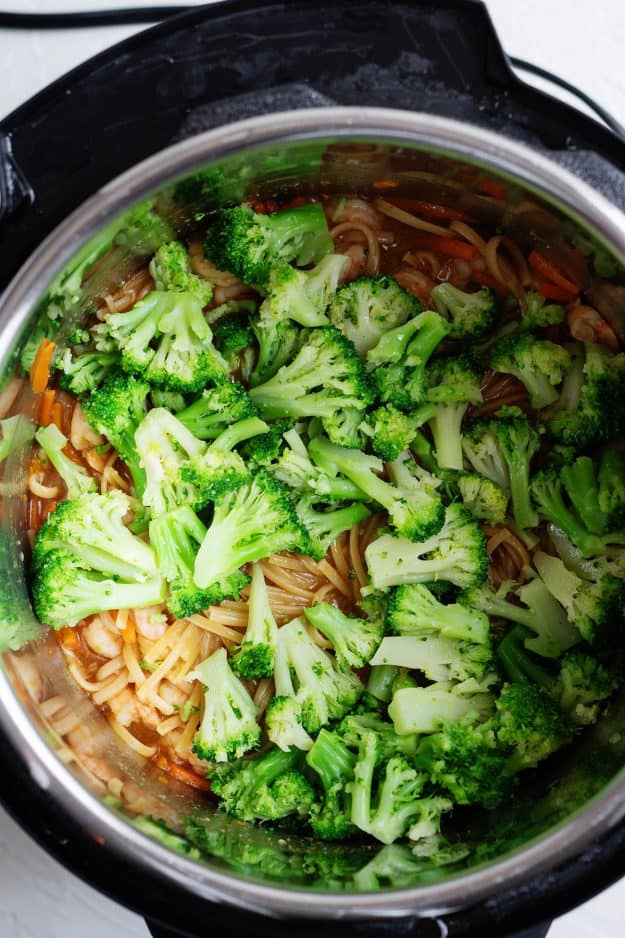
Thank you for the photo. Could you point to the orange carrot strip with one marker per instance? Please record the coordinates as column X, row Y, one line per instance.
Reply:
column 493, row 187
column 40, row 368
column 45, row 408
column 385, row 184
column 552, row 291
column 431, row 211
column 188, row 777
column 129, row 633
column 487, row 280
column 57, row 415
column 450, row 247
column 549, row 271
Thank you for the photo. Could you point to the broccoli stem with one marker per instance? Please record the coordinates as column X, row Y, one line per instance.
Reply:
column 517, row 662
column 446, row 431
column 381, row 680
column 237, row 433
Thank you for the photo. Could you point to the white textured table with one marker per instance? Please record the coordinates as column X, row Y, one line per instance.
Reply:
column 581, row 40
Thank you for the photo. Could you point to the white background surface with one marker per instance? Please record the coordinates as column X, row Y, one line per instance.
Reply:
column 583, row 41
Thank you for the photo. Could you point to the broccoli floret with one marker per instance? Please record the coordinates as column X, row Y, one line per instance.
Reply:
column 266, row 448
column 538, row 314
column 86, row 560
column 368, row 307
column 518, row 663
column 519, row 443
column 251, row 245
column 326, row 377
column 529, row 725
column 277, row 345
column 484, row 498
column 324, row 526
column 426, row 709
column 456, row 554
column 228, row 728
column 482, row 450
column 175, row 537
column 611, row 498
column 541, row 614
column 218, row 470
column 252, row 522
column 392, row 431
column 76, row 479
column 354, row 640
column 171, row 269
column 548, row 497
column 591, row 406
column 217, row 408
column 471, row 315
column 234, row 340
column 438, row 658
column 18, row 625
column 330, row 818
column 295, row 469
column 116, row 409
column 383, row 805
column 583, row 683
column 355, row 725
column 381, row 681
column 594, row 606
column 580, row 482
column 540, row 365
column 267, row 787
column 254, row 658
column 302, row 295
column 17, row 431
column 454, row 383
column 306, row 674
column 165, row 340
column 283, row 722
column 82, row 374
column 414, row 610
column 465, row 759
column 414, row 507
column 164, row 447
column 398, row 361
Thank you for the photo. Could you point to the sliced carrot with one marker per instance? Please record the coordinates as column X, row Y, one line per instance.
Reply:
column 385, row 184
column 57, row 415
column 549, row 271
column 450, row 247
column 40, row 368
column 45, row 408
column 181, row 774
column 129, row 633
column 431, row 211
column 487, row 280
column 493, row 187
column 552, row 291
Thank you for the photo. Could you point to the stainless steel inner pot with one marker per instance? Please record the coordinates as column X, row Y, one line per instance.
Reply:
column 103, row 785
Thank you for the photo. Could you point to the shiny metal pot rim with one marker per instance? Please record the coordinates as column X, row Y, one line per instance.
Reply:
column 434, row 134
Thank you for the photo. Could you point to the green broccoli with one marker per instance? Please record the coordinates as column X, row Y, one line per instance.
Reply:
column 456, row 554
column 85, row 561
column 414, row 610
column 381, row 681
column 165, row 446
column 453, row 384
column 228, row 728
column 83, row 373
column 611, row 498
column 254, row 657
column 253, row 521
column 383, row 805
column 234, row 340
column 355, row 725
column 354, row 640
column 548, row 497
column 76, row 479
column 295, row 469
column 438, row 658
column 541, row 614
column 426, row 709
column 116, row 409
column 415, row 508
column 529, row 725
column 218, row 469
column 594, row 606
column 591, row 407
column 175, row 537
column 266, row 448
column 583, row 684
column 540, row 365
column 330, row 818
column 17, row 431
column 326, row 377
column 425, row 833
column 392, row 431
column 277, row 346
column 171, row 270
column 368, row 307
column 18, row 625
column 266, row 787
column 217, row 408
column 484, row 498
column 398, row 361
column 308, row 676
column 165, row 340
column 302, row 295
column 252, row 245
column 519, row 442
column 538, row 314
column 283, row 719
column 471, row 315
column 482, row 450
column 324, row 526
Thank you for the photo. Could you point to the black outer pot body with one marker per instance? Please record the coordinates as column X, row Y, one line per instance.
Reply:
column 223, row 63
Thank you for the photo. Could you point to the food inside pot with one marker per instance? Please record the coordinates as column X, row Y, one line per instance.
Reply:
column 327, row 501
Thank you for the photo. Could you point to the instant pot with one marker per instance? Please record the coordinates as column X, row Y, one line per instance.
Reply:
column 347, row 93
